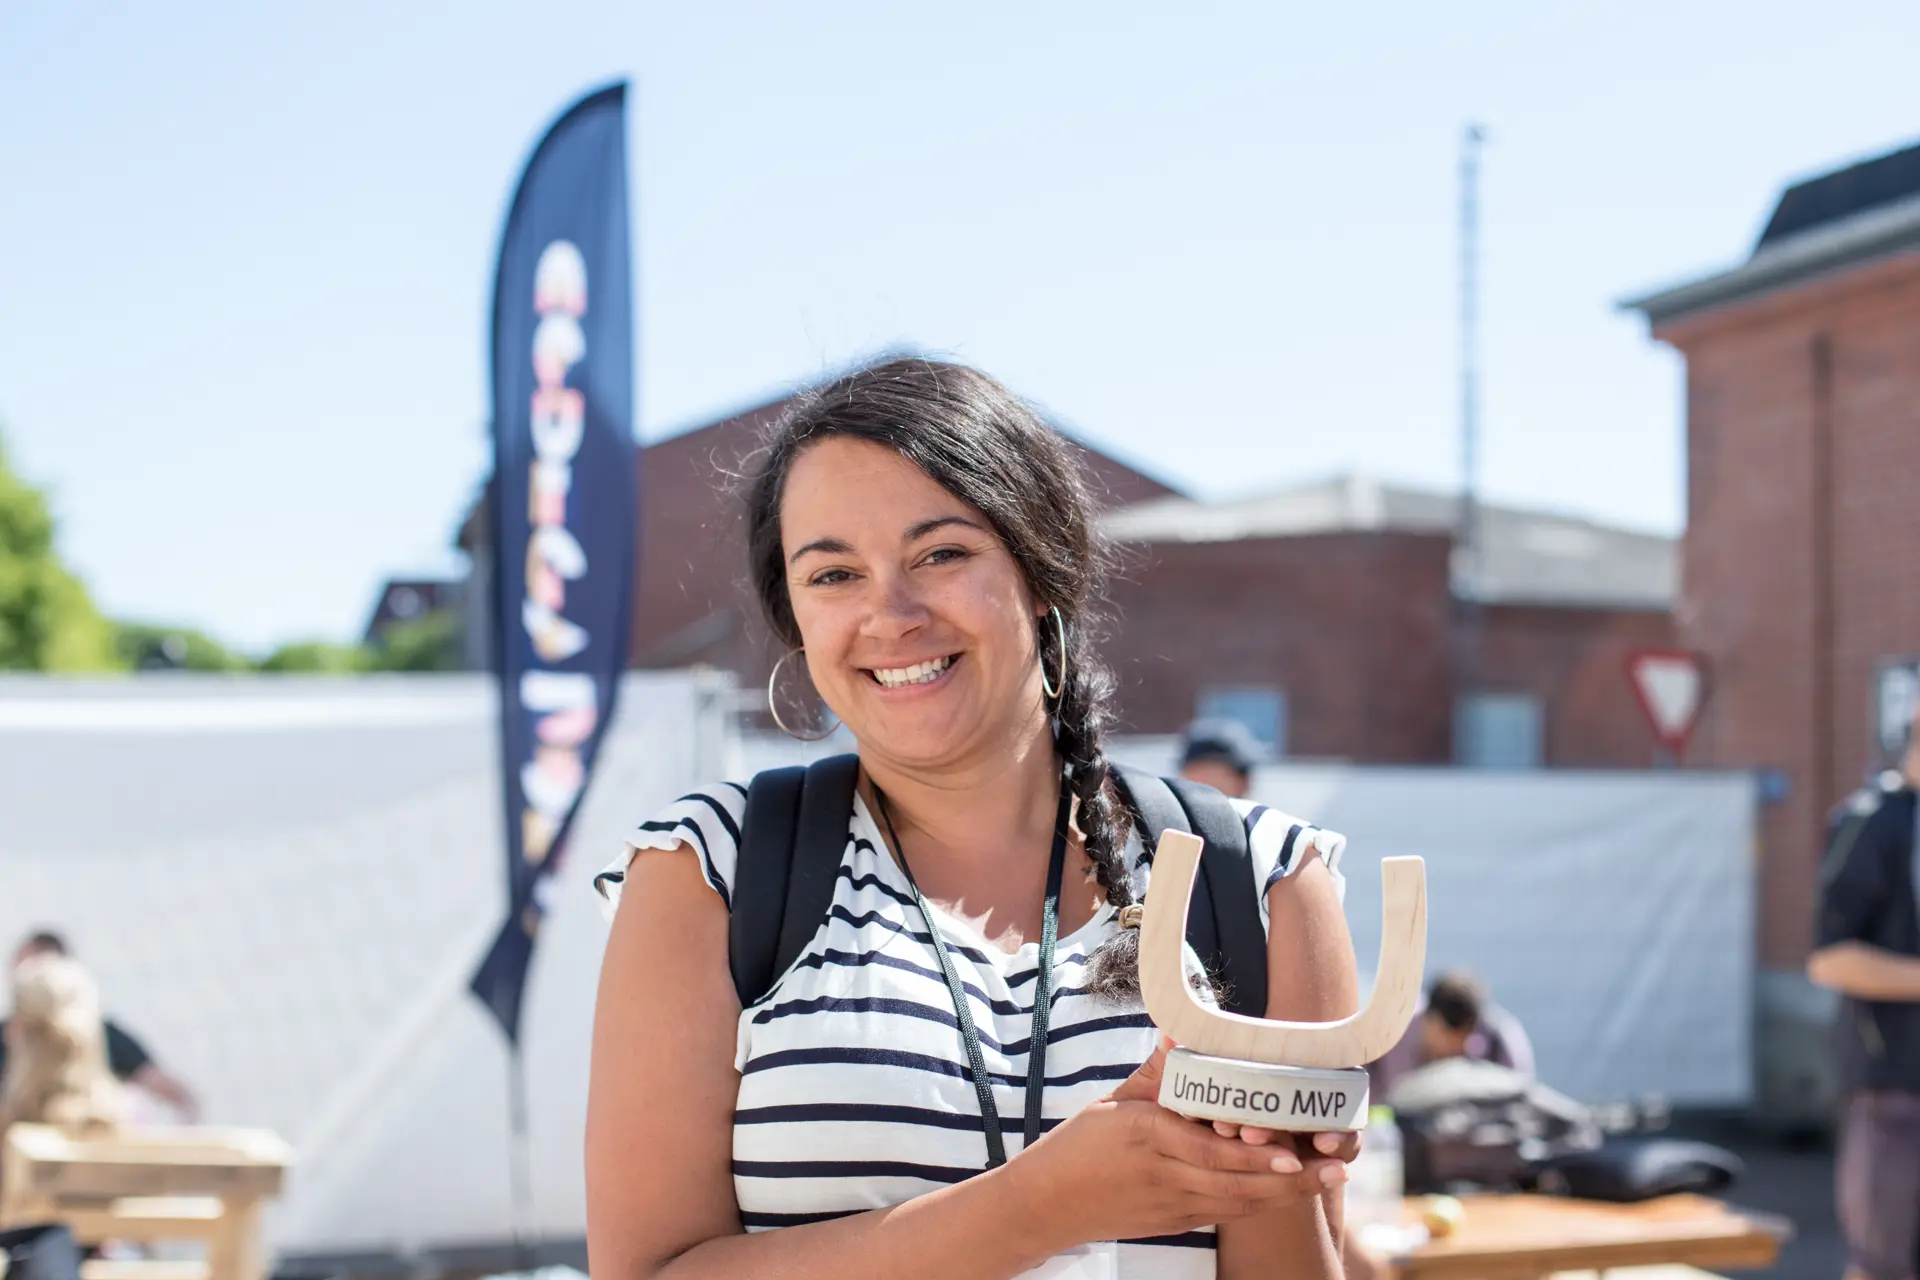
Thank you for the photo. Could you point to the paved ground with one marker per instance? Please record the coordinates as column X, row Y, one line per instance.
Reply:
column 1791, row 1178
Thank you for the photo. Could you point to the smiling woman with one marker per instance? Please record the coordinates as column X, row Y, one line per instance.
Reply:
column 926, row 542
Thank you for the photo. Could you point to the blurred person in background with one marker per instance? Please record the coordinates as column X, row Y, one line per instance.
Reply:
column 1457, row 1020
column 1867, row 948
column 1222, row 754
column 56, row 1063
column 127, row 1058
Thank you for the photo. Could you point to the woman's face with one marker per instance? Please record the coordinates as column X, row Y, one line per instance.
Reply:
column 919, row 628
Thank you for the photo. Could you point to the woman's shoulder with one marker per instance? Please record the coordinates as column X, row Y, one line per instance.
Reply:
column 1280, row 843
column 706, row 820
column 1279, row 839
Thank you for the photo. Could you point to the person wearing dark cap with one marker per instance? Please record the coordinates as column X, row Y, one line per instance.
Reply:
column 1221, row 754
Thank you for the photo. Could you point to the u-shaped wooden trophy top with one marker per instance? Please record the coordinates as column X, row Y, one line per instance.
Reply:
column 1350, row 1042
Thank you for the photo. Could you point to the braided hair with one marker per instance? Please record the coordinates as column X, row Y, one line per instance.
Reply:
column 988, row 448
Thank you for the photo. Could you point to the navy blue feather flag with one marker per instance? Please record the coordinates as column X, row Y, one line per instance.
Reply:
column 561, row 507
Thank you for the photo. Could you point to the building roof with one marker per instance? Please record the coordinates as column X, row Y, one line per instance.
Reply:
column 1115, row 478
column 1530, row 557
column 1833, row 197
column 1819, row 226
column 408, row 599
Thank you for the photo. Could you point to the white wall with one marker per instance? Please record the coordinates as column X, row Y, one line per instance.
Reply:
column 284, row 887
column 1613, row 913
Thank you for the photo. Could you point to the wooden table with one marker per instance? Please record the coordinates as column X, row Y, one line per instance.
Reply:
column 1515, row 1237
column 148, row 1185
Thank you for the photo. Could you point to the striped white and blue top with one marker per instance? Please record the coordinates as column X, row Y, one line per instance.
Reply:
column 854, row 1090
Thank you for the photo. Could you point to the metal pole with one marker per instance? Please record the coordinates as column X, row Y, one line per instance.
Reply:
column 1467, row 549
column 520, row 1161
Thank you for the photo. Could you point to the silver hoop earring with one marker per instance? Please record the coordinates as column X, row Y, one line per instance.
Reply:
column 773, row 703
column 1055, row 690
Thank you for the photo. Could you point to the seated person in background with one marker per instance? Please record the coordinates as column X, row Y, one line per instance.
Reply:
column 1456, row 1021
column 56, row 1065
column 1221, row 754
column 127, row 1058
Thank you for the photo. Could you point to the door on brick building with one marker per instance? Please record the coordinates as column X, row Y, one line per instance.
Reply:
column 1498, row 731
column 1896, row 694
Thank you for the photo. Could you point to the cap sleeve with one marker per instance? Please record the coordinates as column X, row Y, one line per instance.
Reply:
column 706, row 820
column 1280, row 844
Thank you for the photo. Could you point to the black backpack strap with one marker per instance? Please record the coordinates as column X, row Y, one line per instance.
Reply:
column 760, row 879
column 794, row 836
column 819, row 846
column 792, row 839
column 1226, row 865
column 1160, row 810
column 1153, row 803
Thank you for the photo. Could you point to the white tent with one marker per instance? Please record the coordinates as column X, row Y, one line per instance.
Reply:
column 284, row 885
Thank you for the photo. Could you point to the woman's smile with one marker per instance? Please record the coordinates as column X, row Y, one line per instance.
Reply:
column 913, row 676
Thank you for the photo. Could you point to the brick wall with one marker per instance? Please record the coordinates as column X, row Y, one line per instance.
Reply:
column 1352, row 627
column 1801, row 561
column 692, row 559
column 1575, row 662
column 1876, row 472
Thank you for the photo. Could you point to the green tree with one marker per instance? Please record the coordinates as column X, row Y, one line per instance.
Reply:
column 315, row 657
column 147, row 646
column 47, row 620
column 430, row 642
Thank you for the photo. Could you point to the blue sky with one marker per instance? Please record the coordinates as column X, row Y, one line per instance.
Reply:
column 245, row 249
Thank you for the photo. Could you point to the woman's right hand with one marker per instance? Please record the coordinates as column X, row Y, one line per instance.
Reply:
column 1126, row 1167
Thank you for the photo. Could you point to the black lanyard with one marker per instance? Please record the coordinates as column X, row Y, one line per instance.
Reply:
column 1042, row 994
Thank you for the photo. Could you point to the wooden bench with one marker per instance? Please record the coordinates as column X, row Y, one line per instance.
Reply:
column 142, row 1269
column 148, row 1186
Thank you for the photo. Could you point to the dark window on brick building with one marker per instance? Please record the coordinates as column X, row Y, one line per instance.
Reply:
column 1498, row 731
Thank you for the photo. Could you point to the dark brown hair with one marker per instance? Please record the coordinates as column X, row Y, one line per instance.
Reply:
column 982, row 444
column 1458, row 1000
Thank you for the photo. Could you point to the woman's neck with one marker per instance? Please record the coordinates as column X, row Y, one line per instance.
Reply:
column 986, row 802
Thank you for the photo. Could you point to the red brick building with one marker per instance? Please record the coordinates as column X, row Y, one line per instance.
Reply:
column 1801, row 560
column 1340, row 605
column 1324, row 615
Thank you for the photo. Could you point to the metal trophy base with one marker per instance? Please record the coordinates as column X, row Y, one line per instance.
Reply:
column 1296, row 1099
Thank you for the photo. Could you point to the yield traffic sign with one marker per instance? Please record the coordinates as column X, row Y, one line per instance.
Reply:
column 1671, row 685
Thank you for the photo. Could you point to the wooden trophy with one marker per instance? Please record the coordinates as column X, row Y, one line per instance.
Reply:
column 1296, row 1076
